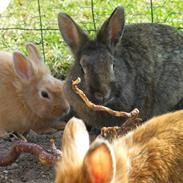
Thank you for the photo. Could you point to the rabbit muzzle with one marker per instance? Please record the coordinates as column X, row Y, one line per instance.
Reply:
column 102, row 97
column 99, row 95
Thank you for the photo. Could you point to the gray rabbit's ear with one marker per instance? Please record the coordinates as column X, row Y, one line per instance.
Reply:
column 71, row 33
column 99, row 162
column 34, row 53
column 23, row 66
column 112, row 29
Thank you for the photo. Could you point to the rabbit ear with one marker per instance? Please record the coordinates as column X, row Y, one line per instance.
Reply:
column 71, row 32
column 34, row 53
column 23, row 66
column 112, row 29
column 99, row 163
column 75, row 141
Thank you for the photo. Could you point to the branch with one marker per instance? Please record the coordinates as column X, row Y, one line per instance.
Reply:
column 25, row 147
column 110, row 133
column 133, row 114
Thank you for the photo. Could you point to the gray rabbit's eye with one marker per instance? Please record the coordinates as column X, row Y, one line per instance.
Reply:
column 83, row 69
column 112, row 67
column 83, row 65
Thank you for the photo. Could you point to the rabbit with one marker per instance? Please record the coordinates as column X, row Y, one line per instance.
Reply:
column 31, row 98
column 124, row 67
column 152, row 153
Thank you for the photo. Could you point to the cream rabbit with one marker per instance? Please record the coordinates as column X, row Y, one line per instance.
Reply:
column 30, row 97
column 153, row 153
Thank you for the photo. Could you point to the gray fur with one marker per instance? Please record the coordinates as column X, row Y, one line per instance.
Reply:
column 137, row 65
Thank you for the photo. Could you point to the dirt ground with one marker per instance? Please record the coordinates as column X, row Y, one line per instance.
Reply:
column 27, row 168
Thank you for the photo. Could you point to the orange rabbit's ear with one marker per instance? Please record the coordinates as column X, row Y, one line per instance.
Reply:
column 34, row 53
column 100, row 163
column 23, row 66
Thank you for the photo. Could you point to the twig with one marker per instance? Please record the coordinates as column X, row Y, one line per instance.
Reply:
column 133, row 114
column 110, row 133
column 54, row 149
column 24, row 147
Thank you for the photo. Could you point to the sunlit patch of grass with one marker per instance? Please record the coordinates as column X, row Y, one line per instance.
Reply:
column 25, row 15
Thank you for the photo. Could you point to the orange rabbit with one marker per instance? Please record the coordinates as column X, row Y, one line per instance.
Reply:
column 31, row 98
column 152, row 153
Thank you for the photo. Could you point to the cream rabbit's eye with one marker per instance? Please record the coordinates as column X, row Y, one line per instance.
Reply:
column 44, row 94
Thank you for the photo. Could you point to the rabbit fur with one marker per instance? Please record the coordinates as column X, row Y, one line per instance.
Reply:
column 124, row 67
column 31, row 98
column 152, row 153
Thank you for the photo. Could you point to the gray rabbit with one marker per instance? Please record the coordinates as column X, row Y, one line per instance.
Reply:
column 124, row 67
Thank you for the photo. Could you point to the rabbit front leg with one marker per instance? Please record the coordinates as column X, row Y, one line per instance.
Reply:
column 3, row 133
column 11, row 136
column 20, row 136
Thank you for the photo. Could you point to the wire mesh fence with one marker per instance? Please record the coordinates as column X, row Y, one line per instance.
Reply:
column 36, row 21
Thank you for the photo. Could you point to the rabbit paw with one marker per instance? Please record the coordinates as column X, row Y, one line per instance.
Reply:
column 13, row 136
column 3, row 133
column 110, row 133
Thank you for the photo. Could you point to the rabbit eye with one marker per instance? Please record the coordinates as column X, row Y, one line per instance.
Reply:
column 83, row 70
column 111, row 67
column 82, row 65
column 44, row 94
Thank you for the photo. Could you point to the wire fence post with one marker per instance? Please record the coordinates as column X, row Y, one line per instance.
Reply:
column 93, row 16
column 41, row 30
column 152, row 13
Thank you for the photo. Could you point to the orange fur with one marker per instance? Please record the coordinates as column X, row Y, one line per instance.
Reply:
column 22, row 108
column 152, row 153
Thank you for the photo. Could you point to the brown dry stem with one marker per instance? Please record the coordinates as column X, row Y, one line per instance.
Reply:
column 110, row 133
column 133, row 114
column 19, row 147
column 54, row 149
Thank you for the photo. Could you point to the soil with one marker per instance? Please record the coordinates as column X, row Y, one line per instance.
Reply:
column 27, row 168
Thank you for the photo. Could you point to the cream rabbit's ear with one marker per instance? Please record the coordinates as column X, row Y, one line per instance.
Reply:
column 75, row 141
column 34, row 53
column 99, row 162
column 23, row 66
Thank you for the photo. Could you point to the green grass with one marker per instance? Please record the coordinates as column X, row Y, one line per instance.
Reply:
column 24, row 14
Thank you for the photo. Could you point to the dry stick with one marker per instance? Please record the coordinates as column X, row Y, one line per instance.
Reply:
column 25, row 147
column 110, row 133
column 54, row 149
column 133, row 114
